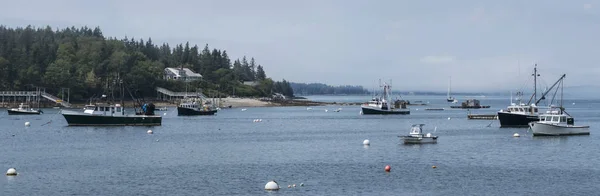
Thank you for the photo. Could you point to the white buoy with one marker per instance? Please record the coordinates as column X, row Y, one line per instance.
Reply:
column 294, row 185
column 326, row 110
column 11, row 172
column 260, row 120
column 308, row 108
column 573, row 103
column 244, row 109
column 366, row 142
column 164, row 114
column 516, row 135
column 27, row 124
column 449, row 118
column 272, row 186
column 149, row 132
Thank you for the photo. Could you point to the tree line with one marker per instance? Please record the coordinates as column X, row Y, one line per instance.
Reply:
column 88, row 63
column 324, row 89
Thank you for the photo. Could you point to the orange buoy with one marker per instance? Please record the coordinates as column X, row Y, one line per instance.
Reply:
column 388, row 168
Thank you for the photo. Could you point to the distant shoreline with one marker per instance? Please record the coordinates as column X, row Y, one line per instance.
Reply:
column 223, row 103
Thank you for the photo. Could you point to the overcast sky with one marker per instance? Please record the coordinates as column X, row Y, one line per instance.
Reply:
column 483, row 46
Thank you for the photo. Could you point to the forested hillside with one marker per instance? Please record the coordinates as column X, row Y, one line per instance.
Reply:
column 86, row 62
column 323, row 89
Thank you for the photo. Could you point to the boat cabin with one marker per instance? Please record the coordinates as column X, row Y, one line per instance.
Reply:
column 556, row 117
column 522, row 109
column 104, row 109
column 23, row 107
column 417, row 129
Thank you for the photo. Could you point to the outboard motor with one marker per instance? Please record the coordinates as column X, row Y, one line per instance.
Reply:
column 149, row 109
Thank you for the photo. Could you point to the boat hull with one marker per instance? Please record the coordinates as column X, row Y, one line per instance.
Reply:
column 21, row 112
column 508, row 119
column 418, row 140
column 546, row 129
column 101, row 120
column 191, row 112
column 370, row 110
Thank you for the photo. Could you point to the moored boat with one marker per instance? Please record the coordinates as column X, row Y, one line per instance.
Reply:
column 521, row 114
column 416, row 136
column 112, row 114
column 105, row 114
column 23, row 109
column 195, row 107
column 382, row 105
column 556, row 123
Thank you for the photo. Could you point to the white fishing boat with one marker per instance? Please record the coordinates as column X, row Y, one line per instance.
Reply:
column 416, row 136
column 555, row 123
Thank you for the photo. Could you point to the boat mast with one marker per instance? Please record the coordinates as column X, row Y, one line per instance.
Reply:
column 535, row 75
column 449, row 86
column 122, row 94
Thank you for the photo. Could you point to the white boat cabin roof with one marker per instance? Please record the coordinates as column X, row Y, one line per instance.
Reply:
column 102, row 107
column 416, row 129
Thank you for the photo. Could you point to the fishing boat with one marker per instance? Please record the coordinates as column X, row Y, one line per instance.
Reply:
column 195, row 107
column 24, row 109
column 448, row 97
column 557, row 121
column 521, row 114
column 382, row 104
column 416, row 136
column 107, row 113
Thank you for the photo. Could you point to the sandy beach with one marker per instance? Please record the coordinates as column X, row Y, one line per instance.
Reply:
column 245, row 102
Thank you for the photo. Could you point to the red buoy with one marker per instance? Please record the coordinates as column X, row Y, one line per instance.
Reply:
column 388, row 168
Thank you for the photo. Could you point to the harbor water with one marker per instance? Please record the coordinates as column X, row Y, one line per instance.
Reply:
column 231, row 154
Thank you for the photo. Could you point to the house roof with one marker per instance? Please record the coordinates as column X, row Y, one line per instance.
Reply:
column 188, row 72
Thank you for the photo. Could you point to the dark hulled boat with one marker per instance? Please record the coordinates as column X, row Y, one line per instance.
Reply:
column 520, row 115
column 24, row 109
column 381, row 105
column 194, row 107
column 111, row 115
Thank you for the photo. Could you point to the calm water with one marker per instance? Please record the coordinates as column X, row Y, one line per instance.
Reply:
column 229, row 154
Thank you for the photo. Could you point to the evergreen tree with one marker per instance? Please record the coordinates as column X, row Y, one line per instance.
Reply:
column 260, row 73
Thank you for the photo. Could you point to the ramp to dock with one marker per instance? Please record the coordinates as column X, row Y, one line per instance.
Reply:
column 164, row 93
column 33, row 95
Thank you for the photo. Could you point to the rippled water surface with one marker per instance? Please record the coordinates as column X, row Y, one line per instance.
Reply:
column 229, row 154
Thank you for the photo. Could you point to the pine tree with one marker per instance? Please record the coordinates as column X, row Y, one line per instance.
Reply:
column 260, row 73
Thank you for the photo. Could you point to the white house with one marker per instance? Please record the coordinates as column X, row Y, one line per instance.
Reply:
column 251, row 83
column 177, row 73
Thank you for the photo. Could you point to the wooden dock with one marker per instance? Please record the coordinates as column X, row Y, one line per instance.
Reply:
column 482, row 116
